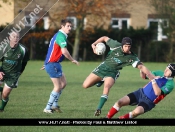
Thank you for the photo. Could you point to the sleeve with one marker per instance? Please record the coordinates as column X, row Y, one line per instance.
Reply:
column 23, row 66
column 136, row 61
column 25, row 59
column 113, row 43
column 157, row 73
column 26, row 55
column 167, row 88
column 61, row 41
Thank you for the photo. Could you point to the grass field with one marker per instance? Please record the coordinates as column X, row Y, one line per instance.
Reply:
column 31, row 96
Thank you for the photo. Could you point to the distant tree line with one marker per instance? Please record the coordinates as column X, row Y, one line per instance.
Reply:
column 37, row 41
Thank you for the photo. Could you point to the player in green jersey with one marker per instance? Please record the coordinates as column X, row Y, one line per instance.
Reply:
column 147, row 97
column 13, row 64
column 108, row 71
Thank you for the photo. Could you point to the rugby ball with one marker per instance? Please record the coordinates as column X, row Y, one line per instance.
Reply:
column 100, row 48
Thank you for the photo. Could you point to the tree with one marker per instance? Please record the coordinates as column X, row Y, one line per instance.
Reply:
column 82, row 9
column 167, row 8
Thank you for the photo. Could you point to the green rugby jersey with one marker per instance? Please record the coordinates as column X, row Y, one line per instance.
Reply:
column 13, row 58
column 116, row 59
column 169, row 86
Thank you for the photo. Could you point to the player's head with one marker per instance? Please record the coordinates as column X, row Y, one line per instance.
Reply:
column 126, row 44
column 14, row 39
column 66, row 25
column 171, row 67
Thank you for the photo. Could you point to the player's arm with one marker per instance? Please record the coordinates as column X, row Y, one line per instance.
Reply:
column 144, row 70
column 23, row 65
column 25, row 60
column 100, row 40
column 66, row 53
column 1, row 75
column 156, row 88
column 61, row 41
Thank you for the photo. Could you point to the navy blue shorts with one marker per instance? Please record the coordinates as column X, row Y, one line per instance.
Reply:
column 141, row 99
column 54, row 69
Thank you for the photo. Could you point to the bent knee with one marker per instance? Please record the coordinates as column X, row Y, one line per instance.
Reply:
column 119, row 103
column 85, row 85
column 64, row 86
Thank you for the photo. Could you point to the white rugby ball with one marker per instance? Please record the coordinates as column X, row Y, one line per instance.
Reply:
column 100, row 48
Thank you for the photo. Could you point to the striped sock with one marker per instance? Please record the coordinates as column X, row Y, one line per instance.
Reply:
column 53, row 96
column 55, row 103
column 112, row 111
column 126, row 116
column 4, row 103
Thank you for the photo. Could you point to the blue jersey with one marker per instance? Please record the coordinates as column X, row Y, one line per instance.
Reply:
column 165, row 84
column 57, row 42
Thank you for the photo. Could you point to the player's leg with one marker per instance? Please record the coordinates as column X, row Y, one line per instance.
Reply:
column 95, row 77
column 53, row 94
column 98, row 84
column 9, row 83
column 91, row 80
column 108, row 83
column 136, row 112
column 5, row 96
column 143, row 105
column 1, row 89
column 55, row 106
column 116, row 107
column 55, row 72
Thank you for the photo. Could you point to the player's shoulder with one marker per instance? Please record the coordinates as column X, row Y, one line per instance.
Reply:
column 133, row 54
column 110, row 40
column 158, row 73
column 61, row 34
column 22, row 46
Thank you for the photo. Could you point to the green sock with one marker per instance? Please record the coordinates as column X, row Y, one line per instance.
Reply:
column 4, row 103
column 103, row 99
column 1, row 88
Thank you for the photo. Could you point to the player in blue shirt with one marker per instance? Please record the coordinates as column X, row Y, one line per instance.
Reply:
column 57, row 51
column 145, row 98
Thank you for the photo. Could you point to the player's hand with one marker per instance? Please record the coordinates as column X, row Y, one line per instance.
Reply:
column 1, row 75
column 43, row 67
column 75, row 62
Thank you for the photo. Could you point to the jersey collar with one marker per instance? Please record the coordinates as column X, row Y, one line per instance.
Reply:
column 169, row 78
column 63, row 33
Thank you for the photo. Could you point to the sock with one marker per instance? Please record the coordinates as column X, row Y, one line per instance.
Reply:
column 53, row 96
column 103, row 99
column 4, row 103
column 1, row 89
column 55, row 103
column 112, row 111
column 127, row 116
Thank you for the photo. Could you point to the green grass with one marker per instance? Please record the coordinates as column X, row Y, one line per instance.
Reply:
column 31, row 96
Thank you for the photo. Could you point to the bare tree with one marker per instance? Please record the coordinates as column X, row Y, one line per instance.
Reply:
column 99, row 10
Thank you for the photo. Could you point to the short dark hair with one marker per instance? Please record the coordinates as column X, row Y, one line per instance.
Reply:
column 64, row 21
column 126, row 40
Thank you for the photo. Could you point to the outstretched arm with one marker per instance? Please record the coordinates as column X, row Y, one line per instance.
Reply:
column 66, row 53
column 145, row 72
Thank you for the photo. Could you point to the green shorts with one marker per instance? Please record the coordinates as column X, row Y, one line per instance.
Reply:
column 11, row 80
column 103, row 71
